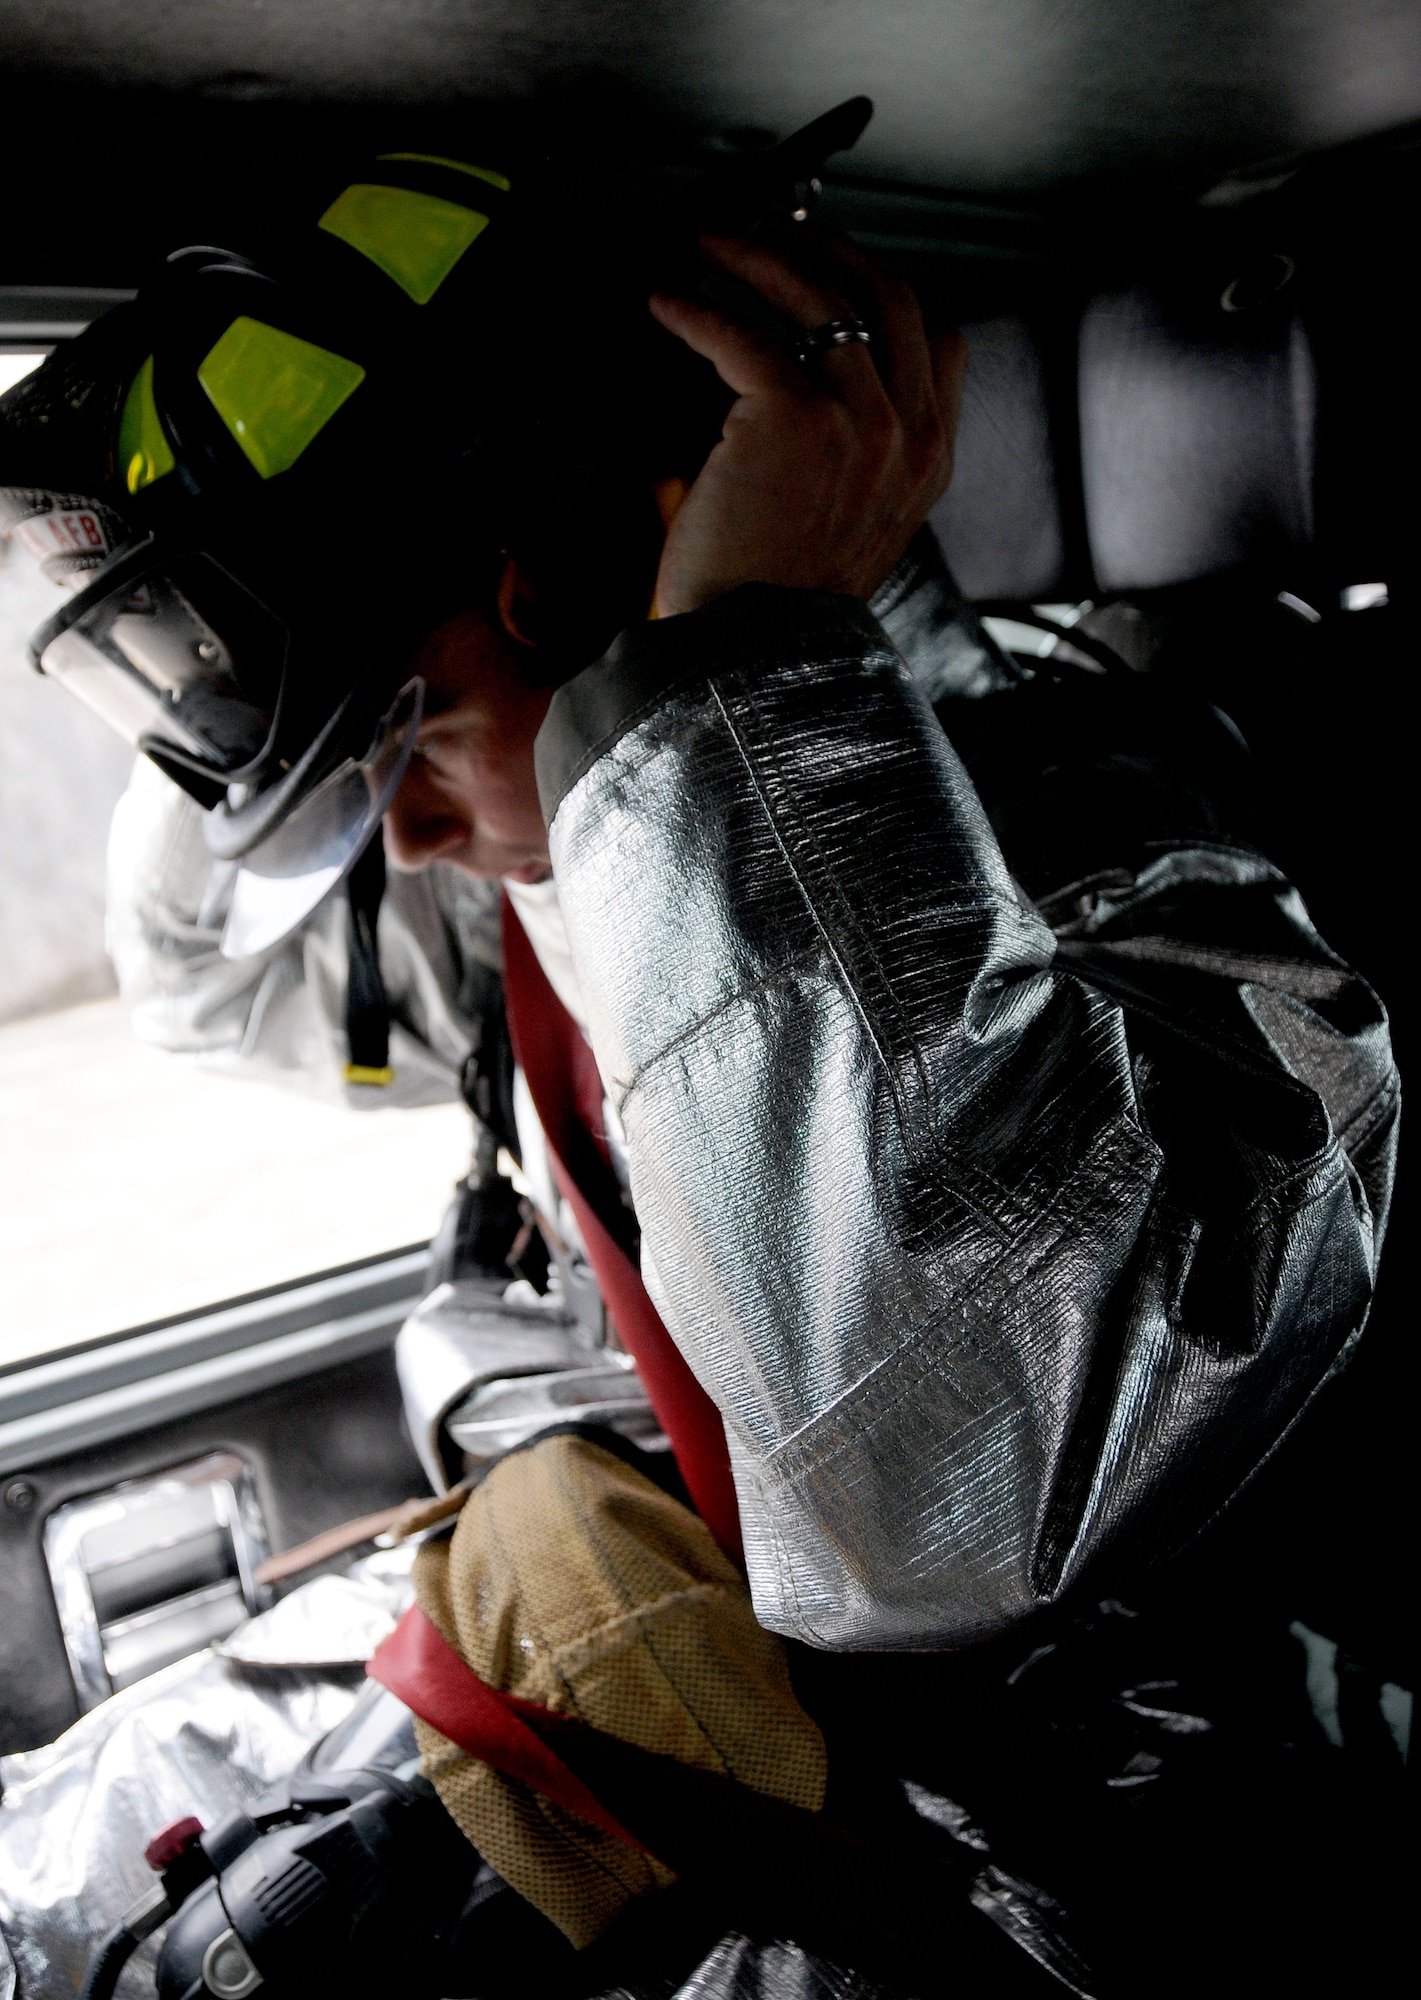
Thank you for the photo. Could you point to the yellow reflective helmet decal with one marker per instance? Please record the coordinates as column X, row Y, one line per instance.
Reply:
column 275, row 393
column 455, row 166
column 416, row 239
column 144, row 453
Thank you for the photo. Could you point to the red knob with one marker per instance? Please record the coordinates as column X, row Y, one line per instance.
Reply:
column 175, row 1840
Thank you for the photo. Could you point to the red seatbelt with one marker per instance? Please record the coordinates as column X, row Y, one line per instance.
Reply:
column 567, row 1094
column 418, row 1664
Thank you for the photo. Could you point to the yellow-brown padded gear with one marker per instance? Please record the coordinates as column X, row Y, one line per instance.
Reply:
column 573, row 1581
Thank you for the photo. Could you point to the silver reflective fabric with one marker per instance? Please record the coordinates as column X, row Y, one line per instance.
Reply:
column 507, row 1412
column 1000, row 1258
column 202, row 1736
column 280, row 1017
column 334, row 1620
column 740, row 1969
column 935, row 631
column 76, row 1816
column 483, row 1373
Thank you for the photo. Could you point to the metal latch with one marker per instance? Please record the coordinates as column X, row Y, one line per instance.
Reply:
column 154, row 1569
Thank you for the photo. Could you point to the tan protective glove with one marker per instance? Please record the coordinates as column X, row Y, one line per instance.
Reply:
column 572, row 1581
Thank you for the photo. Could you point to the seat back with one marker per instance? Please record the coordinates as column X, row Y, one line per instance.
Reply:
column 1201, row 461
column 1131, row 446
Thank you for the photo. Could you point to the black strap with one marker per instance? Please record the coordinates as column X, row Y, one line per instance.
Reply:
column 367, row 1007
column 487, row 1080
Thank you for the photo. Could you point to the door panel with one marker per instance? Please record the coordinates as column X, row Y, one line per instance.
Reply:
column 322, row 1449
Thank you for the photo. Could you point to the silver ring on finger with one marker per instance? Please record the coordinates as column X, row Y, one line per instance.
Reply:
column 833, row 333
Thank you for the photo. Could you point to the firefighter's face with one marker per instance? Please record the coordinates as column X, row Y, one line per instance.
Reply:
column 469, row 795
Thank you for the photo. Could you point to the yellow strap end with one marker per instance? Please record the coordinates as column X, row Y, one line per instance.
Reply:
column 361, row 1073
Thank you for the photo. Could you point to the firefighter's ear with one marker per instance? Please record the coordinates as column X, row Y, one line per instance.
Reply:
column 517, row 603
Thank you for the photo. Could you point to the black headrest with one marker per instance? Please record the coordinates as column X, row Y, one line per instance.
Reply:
column 1000, row 521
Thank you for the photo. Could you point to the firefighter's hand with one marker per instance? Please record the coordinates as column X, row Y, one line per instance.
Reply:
column 823, row 472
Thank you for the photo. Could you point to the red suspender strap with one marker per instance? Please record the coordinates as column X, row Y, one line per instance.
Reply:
column 566, row 1089
column 418, row 1664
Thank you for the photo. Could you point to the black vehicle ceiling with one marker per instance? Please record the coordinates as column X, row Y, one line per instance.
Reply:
column 995, row 95
column 169, row 107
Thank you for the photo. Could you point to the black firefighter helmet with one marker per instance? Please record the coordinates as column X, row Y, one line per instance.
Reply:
column 263, row 478
column 268, row 479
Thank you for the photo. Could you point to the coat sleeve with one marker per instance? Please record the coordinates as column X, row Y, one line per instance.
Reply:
column 1004, row 1257
column 279, row 1017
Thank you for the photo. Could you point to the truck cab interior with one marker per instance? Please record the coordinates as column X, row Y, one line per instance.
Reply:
column 1177, row 238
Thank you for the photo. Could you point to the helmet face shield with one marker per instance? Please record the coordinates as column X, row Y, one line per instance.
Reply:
column 176, row 657
column 192, row 669
column 280, row 881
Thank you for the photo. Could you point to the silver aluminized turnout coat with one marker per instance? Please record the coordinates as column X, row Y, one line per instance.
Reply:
column 1011, row 1156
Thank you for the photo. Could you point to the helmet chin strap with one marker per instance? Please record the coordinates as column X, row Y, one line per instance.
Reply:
column 367, row 1006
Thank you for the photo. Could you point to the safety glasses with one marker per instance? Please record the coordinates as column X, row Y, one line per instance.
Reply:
column 281, row 880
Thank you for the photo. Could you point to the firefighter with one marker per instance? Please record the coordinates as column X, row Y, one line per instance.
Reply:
column 981, row 1158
